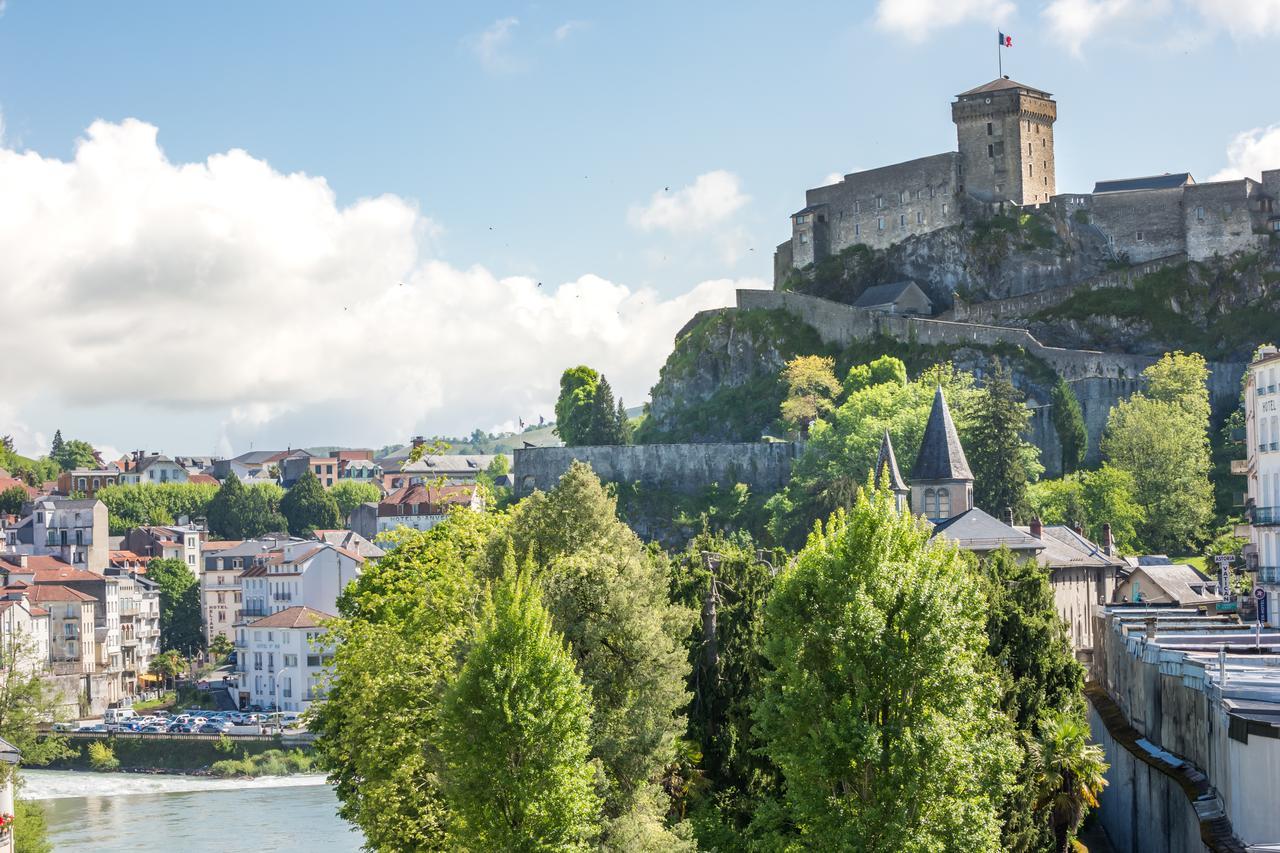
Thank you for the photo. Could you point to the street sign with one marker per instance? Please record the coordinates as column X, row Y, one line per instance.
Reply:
column 1262, row 607
column 1224, row 562
column 1260, row 594
column 1224, row 558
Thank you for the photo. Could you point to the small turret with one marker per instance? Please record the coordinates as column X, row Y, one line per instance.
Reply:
column 941, row 482
column 887, row 473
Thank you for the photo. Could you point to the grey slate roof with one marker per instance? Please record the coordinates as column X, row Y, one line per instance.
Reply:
column 941, row 456
column 1000, row 84
column 1167, row 181
column 975, row 530
column 887, row 463
column 882, row 294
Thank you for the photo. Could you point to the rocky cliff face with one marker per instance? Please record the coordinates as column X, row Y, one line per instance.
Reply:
column 993, row 258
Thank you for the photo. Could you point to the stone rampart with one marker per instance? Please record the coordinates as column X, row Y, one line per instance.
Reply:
column 686, row 468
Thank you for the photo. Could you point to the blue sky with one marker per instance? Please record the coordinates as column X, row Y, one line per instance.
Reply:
column 655, row 146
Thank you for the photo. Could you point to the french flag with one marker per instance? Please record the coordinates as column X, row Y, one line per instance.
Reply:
column 1006, row 41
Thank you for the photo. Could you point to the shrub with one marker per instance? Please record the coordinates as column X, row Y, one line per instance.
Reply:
column 102, row 757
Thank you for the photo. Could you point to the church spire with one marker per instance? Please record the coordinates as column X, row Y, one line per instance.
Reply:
column 887, row 473
column 941, row 456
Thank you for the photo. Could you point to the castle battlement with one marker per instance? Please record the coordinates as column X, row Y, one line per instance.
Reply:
column 1005, row 156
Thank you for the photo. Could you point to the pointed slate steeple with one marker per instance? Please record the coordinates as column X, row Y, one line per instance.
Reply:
column 887, row 473
column 941, row 457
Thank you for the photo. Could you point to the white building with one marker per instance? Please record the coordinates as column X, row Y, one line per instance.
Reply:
column 24, row 630
column 73, row 530
column 283, row 659
column 139, row 625
column 1262, row 471
column 182, row 542
column 154, row 469
column 422, row 507
column 297, row 573
column 221, row 591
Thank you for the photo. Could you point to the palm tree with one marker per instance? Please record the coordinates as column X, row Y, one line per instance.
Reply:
column 1071, row 774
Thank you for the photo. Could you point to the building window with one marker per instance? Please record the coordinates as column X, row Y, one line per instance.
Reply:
column 879, row 202
column 944, row 503
column 930, row 504
column 991, row 150
column 1199, row 214
column 881, row 223
column 804, row 238
column 1028, row 148
column 902, row 220
column 930, row 192
column 1139, row 236
column 857, row 207
column 1031, row 170
column 945, row 208
column 902, row 197
column 857, row 229
column 990, row 129
column 919, row 217
column 800, row 220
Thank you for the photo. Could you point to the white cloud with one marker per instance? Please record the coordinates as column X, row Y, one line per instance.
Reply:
column 227, row 288
column 492, row 46
column 568, row 28
column 1244, row 19
column 709, row 200
column 832, row 178
column 1251, row 152
column 1075, row 21
column 917, row 19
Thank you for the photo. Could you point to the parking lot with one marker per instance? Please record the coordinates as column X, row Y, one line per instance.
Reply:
column 198, row 721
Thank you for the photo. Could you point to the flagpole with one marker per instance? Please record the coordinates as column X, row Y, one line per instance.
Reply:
column 999, row 57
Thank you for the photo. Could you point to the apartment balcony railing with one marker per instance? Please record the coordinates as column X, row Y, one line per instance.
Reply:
column 1269, row 574
column 1265, row 516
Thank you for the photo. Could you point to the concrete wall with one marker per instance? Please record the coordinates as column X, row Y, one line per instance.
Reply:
column 1221, row 218
column 1143, row 810
column 1144, row 224
column 689, row 468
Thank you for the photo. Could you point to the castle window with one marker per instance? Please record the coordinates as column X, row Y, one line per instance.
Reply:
column 991, row 150
column 919, row 217
column 857, row 230
column 1139, row 236
column 902, row 220
column 1046, row 180
column 930, row 503
column 1031, row 170
column 990, row 129
column 1199, row 214
column 943, row 504
column 881, row 222
column 804, row 238
column 857, row 207
column 902, row 197
column 1028, row 148
column 930, row 192
column 946, row 207
column 800, row 220
column 879, row 202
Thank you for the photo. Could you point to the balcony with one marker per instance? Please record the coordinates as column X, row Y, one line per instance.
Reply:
column 1265, row 516
column 1269, row 574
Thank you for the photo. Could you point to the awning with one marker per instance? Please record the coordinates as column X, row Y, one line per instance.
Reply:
column 148, row 678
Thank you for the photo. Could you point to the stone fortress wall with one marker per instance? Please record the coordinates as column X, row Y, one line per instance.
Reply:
column 685, row 468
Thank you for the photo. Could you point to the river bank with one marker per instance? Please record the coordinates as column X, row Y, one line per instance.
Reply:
column 192, row 755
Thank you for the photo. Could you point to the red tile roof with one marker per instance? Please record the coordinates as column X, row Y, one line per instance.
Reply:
column 436, row 499
column 54, row 592
column 35, row 563
column 293, row 617
column 203, row 479
column 65, row 573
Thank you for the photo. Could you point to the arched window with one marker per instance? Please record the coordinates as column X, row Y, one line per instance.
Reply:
column 930, row 504
column 944, row 504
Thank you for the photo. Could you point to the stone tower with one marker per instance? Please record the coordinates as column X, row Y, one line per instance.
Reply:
column 1005, row 135
column 941, row 482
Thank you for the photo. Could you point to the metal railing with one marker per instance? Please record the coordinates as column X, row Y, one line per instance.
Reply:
column 1269, row 574
column 1264, row 516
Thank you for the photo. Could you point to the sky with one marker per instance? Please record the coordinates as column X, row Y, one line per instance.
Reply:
column 239, row 225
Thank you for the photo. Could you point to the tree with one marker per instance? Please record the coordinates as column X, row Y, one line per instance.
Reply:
column 995, row 445
column 812, row 388
column 55, row 448
column 574, row 405
column 167, row 665
column 30, row 828
column 26, row 700
column 220, row 646
column 1027, row 639
column 608, row 421
column 180, row 624
column 399, row 635
column 12, row 499
column 725, row 579
column 1161, row 438
column 843, row 446
column 308, row 507
column 1092, row 499
column 72, row 454
column 608, row 595
column 514, row 733
column 1072, row 772
column 880, row 707
column 130, row 506
column 1068, row 422
column 500, row 466
column 349, row 494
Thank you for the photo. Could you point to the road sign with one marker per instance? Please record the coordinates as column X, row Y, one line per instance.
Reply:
column 1224, row 558
column 1262, row 610
column 1260, row 594
column 1224, row 562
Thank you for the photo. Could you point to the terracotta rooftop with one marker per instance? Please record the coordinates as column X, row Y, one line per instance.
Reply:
column 35, row 563
column 55, row 592
column 293, row 617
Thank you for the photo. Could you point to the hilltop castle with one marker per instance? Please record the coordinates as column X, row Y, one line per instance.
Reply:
column 1005, row 158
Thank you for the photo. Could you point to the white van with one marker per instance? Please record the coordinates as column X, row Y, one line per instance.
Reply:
column 116, row 716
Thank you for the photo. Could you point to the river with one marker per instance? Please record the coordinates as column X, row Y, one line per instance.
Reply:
column 132, row 813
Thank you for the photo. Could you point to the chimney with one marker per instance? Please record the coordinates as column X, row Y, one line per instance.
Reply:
column 1037, row 527
column 1008, row 516
column 1151, row 629
column 22, row 560
column 1108, row 541
column 418, row 441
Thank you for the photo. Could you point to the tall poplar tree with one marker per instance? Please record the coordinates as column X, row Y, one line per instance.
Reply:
column 996, row 446
column 1068, row 422
column 308, row 507
column 515, row 733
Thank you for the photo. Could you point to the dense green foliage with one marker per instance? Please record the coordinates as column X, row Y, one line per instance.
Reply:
column 154, row 503
column 401, row 627
column 349, row 494
column 1107, row 495
column 102, row 757
column 843, row 446
column 812, row 388
column 30, row 827
column 72, row 454
column 179, row 605
column 1070, row 774
column 586, row 413
column 307, row 507
column 273, row 762
column 1068, row 422
column 995, row 444
column 12, row 499
column 881, row 706
column 608, row 595
column 33, row 472
column 1161, row 438
column 237, row 511
column 514, row 733
column 26, row 699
